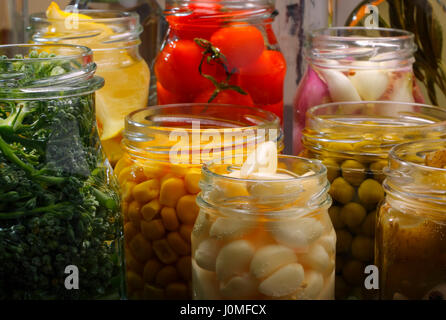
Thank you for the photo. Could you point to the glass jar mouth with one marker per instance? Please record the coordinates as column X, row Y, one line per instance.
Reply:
column 114, row 29
column 153, row 131
column 370, row 128
column 416, row 150
column 409, row 179
column 304, row 192
column 360, row 48
column 74, row 76
column 317, row 168
column 212, row 13
column 96, row 15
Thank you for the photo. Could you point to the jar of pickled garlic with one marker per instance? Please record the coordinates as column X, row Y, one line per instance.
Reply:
column 114, row 38
column 264, row 234
column 159, row 177
column 353, row 140
column 355, row 64
column 411, row 227
column 221, row 52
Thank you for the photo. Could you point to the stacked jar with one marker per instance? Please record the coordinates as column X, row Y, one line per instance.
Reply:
column 159, row 176
column 60, row 219
column 267, row 236
column 114, row 38
column 353, row 141
column 221, row 52
column 355, row 64
column 411, row 228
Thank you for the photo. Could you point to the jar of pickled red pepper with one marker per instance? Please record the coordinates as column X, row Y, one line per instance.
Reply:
column 353, row 140
column 265, row 235
column 114, row 38
column 221, row 52
column 355, row 64
column 411, row 228
column 159, row 175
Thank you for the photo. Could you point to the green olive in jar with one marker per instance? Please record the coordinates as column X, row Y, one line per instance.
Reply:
column 353, row 272
column 343, row 241
column 377, row 169
column 353, row 214
column 342, row 191
column 362, row 248
column 332, row 168
column 335, row 216
column 368, row 226
column 353, row 172
column 370, row 192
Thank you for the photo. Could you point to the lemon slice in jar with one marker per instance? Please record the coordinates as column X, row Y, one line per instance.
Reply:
column 124, row 75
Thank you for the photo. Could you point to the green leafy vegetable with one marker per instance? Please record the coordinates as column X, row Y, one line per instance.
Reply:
column 58, row 203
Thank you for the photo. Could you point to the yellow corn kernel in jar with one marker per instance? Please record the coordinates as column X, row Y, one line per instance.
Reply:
column 132, row 173
column 146, row 191
column 152, row 293
column 151, row 209
column 164, row 252
column 179, row 170
column 154, row 171
column 177, row 291
column 192, row 179
column 184, row 268
column 134, row 212
column 178, row 244
column 166, row 177
column 131, row 263
column 134, row 280
column 171, row 191
column 151, row 269
column 121, row 164
column 124, row 208
column 187, row 209
column 153, row 230
column 169, row 217
column 233, row 189
column 141, row 248
column 126, row 189
column 130, row 230
column 186, row 231
column 166, row 275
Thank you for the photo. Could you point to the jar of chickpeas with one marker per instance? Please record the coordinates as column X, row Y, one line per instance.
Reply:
column 264, row 234
column 353, row 141
column 159, row 176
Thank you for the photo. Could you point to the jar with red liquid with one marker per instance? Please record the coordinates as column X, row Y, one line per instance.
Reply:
column 355, row 64
column 221, row 52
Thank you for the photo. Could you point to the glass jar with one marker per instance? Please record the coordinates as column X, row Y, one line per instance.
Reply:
column 222, row 52
column 114, row 38
column 353, row 141
column 425, row 20
column 60, row 218
column 355, row 64
column 411, row 226
column 264, row 239
column 159, row 174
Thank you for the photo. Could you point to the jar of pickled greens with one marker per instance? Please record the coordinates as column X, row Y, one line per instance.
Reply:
column 411, row 228
column 264, row 234
column 61, row 233
column 114, row 38
column 159, row 175
column 355, row 64
column 353, row 140
column 221, row 52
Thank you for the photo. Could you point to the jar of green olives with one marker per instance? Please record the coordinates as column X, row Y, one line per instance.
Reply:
column 411, row 226
column 353, row 140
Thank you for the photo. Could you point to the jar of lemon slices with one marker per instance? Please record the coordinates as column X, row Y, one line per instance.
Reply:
column 114, row 38
column 159, row 176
